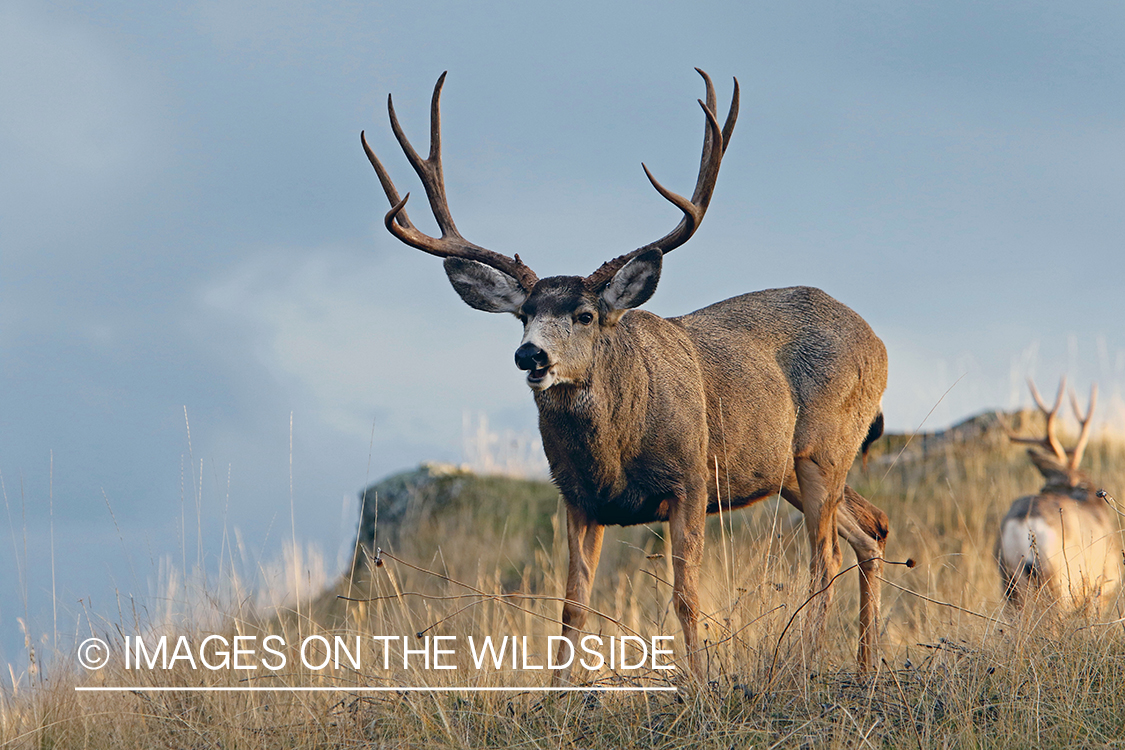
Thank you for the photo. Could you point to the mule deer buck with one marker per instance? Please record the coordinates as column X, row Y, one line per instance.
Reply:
column 1063, row 541
column 780, row 388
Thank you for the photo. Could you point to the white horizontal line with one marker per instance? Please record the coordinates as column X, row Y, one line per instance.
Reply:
column 406, row 689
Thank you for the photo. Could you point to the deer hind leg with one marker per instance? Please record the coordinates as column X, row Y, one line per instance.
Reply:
column 865, row 528
column 584, row 541
column 821, row 494
column 686, row 520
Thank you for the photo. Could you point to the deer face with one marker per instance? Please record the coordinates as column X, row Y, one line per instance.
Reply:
column 562, row 316
column 560, row 325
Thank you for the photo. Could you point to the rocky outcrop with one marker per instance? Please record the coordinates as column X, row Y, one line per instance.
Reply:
column 416, row 508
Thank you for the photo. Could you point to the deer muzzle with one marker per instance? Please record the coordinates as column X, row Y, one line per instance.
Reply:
column 533, row 359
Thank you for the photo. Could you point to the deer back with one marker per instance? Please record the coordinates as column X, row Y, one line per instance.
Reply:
column 788, row 372
column 732, row 389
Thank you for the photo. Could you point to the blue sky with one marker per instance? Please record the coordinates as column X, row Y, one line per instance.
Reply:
column 187, row 220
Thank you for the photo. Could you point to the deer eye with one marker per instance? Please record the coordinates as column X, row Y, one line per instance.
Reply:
column 584, row 318
column 521, row 317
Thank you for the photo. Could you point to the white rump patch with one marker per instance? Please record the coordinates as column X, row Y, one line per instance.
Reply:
column 1027, row 540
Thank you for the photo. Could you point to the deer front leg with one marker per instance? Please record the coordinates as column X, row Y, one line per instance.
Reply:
column 584, row 542
column 686, row 520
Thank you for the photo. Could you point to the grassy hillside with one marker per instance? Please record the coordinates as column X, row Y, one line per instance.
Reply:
column 475, row 556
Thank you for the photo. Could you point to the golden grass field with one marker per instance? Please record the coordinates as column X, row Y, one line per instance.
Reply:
column 958, row 670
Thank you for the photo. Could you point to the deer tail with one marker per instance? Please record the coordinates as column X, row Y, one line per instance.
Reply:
column 874, row 432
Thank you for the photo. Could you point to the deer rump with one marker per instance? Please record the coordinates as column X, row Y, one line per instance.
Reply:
column 732, row 392
column 1062, row 545
column 1062, row 541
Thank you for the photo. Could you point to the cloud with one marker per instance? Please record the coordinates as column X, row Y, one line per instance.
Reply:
column 360, row 338
column 80, row 132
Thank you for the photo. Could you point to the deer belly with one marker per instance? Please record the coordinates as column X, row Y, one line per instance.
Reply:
column 628, row 509
column 739, row 501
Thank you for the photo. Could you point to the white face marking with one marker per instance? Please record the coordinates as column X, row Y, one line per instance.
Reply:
column 543, row 331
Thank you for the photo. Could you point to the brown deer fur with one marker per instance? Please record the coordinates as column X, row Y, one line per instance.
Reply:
column 779, row 387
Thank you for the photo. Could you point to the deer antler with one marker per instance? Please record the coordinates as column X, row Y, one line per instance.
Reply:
column 1051, row 440
column 715, row 141
column 451, row 244
column 1085, row 422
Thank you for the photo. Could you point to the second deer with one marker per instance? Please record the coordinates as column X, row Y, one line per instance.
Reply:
column 1061, row 543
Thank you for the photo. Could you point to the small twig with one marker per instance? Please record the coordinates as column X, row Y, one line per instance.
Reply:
column 428, row 596
column 909, row 562
column 797, row 611
column 736, row 632
column 1066, row 557
column 863, row 737
column 1110, row 501
column 941, row 603
column 421, row 633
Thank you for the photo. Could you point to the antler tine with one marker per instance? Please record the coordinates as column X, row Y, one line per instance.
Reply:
column 715, row 141
column 1051, row 440
column 1039, row 399
column 1086, row 423
column 732, row 117
column 712, row 106
column 451, row 244
column 385, row 181
column 429, row 170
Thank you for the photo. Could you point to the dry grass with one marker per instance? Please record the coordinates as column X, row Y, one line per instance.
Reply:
column 958, row 670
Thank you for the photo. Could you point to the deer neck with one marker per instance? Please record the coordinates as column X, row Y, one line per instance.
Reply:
column 594, row 428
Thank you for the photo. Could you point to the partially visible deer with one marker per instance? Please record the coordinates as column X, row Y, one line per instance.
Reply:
column 780, row 389
column 1063, row 541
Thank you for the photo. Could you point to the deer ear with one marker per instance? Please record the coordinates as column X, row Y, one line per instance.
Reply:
column 483, row 287
column 634, row 283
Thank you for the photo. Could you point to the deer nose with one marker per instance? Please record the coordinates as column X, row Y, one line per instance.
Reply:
column 531, row 357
